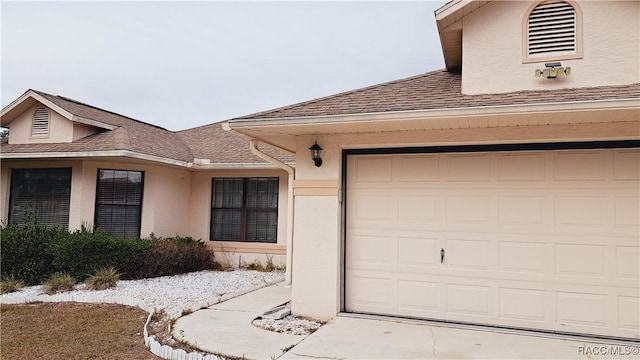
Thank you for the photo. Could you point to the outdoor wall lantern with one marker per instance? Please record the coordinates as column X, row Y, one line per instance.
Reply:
column 315, row 154
column 553, row 70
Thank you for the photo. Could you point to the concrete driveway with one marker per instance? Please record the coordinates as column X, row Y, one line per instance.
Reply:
column 226, row 329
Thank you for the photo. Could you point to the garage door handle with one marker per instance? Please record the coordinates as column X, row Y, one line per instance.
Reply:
column 441, row 256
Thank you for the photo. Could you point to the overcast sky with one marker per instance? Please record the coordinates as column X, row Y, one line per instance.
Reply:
column 184, row 64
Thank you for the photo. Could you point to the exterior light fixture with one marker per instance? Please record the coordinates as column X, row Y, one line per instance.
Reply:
column 315, row 154
column 553, row 70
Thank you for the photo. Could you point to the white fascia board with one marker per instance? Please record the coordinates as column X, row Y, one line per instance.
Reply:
column 135, row 155
column 56, row 108
column 235, row 166
column 450, row 8
column 617, row 104
column 90, row 154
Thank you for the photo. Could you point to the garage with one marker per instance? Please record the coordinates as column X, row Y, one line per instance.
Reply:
column 534, row 239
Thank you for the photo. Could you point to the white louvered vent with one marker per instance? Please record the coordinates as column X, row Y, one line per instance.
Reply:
column 552, row 28
column 40, row 122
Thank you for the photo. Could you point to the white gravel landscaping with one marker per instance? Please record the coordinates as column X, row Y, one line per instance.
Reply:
column 175, row 294
column 288, row 325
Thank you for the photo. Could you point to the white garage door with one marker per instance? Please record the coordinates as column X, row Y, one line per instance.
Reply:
column 543, row 240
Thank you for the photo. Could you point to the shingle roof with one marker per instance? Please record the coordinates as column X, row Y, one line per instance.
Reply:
column 434, row 90
column 207, row 142
column 220, row 146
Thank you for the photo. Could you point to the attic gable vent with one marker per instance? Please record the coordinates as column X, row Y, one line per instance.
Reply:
column 553, row 29
column 40, row 126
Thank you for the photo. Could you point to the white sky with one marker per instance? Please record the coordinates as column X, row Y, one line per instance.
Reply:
column 184, row 64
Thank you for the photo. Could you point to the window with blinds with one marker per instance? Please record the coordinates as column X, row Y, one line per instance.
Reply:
column 119, row 202
column 41, row 196
column 40, row 123
column 244, row 209
column 552, row 29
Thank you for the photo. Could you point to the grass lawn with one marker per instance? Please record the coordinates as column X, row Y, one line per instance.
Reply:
column 72, row 331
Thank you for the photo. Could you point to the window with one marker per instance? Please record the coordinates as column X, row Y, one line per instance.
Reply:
column 244, row 209
column 41, row 195
column 552, row 31
column 119, row 202
column 40, row 124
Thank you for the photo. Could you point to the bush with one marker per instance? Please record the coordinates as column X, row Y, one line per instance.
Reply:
column 83, row 252
column 59, row 281
column 171, row 256
column 25, row 252
column 10, row 284
column 104, row 278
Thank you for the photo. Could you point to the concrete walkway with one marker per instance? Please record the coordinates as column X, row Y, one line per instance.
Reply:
column 226, row 329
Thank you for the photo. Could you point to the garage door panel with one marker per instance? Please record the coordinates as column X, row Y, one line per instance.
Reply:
column 521, row 167
column 417, row 251
column 523, row 257
column 468, row 254
column 418, row 209
column 521, row 210
column 371, row 292
column 579, row 165
column 468, row 209
column 414, row 168
column 627, row 212
column 372, row 249
column 627, row 260
column 546, row 240
column 467, row 300
column 580, row 260
column 581, row 309
column 626, row 164
column 469, row 167
column 524, row 305
column 418, row 295
column 630, row 307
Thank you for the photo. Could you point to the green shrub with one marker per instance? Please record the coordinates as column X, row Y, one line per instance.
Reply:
column 104, row 278
column 84, row 251
column 59, row 281
column 171, row 256
column 10, row 284
column 25, row 252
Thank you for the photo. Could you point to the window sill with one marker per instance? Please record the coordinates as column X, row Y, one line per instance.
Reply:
column 247, row 247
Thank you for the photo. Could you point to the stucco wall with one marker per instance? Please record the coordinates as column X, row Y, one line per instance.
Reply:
column 234, row 253
column 492, row 48
column 165, row 209
column 60, row 129
column 317, row 245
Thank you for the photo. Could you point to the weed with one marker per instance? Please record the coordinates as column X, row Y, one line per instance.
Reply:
column 10, row 284
column 186, row 312
column 104, row 278
column 257, row 265
column 57, row 282
column 285, row 349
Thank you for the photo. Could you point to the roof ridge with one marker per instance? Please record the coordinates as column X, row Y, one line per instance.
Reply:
column 369, row 87
column 98, row 108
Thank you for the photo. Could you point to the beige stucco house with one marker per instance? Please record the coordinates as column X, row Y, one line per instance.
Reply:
column 503, row 190
column 72, row 164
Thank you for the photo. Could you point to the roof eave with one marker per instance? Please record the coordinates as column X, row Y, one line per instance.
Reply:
column 93, row 154
column 138, row 156
column 498, row 110
column 39, row 98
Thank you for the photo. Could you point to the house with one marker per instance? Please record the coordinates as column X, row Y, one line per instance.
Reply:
column 501, row 191
column 70, row 163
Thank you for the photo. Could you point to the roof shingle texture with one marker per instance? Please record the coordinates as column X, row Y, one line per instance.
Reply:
column 434, row 90
column 220, row 146
column 206, row 142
